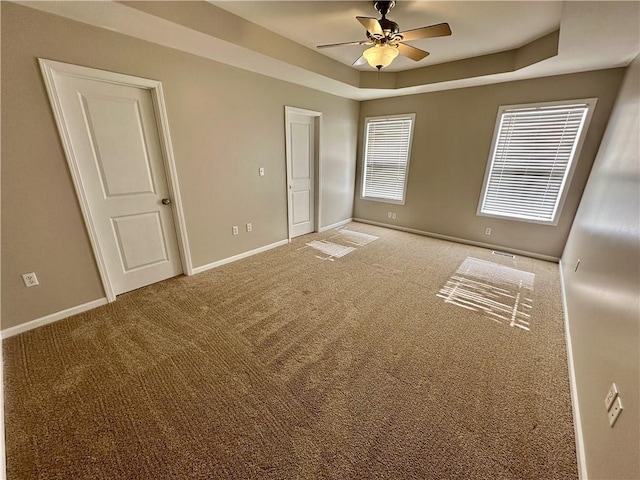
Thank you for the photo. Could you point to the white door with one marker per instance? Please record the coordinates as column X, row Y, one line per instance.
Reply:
column 113, row 134
column 300, row 171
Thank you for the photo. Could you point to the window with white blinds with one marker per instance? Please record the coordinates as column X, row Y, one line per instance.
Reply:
column 532, row 158
column 387, row 147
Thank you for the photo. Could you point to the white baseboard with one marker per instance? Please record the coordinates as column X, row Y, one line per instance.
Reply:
column 3, row 448
column 335, row 225
column 577, row 425
column 54, row 317
column 548, row 258
column 240, row 256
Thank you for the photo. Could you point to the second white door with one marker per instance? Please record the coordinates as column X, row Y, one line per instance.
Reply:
column 300, row 171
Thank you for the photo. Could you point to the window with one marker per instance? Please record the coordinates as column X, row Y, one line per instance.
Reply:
column 387, row 146
column 532, row 159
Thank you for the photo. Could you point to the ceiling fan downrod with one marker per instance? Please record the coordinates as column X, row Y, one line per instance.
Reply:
column 383, row 7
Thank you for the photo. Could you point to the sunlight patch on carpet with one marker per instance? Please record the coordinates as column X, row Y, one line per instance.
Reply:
column 503, row 293
column 331, row 250
column 356, row 238
column 334, row 246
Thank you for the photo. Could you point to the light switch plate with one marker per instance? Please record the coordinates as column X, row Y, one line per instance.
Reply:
column 611, row 396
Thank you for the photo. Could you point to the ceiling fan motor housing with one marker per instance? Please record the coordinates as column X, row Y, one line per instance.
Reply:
column 389, row 27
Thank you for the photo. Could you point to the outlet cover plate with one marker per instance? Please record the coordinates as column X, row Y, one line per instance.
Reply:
column 614, row 413
column 30, row 279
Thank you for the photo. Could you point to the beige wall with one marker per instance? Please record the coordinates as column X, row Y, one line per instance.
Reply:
column 225, row 124
column 452, row 138
column 603, row 296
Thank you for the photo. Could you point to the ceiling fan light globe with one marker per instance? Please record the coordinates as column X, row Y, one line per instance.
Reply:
column 380, row 56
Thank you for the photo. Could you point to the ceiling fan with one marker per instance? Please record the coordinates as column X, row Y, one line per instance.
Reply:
column 387, row 41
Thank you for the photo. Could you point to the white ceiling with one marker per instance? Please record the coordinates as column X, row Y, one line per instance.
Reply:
column 593, row 35
column 478, row 27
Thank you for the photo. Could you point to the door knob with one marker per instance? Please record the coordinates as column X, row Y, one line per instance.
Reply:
column 166, row 201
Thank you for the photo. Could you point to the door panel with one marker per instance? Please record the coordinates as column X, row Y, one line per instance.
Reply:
column 119, row 147
column 134, row 253
column 301, row 149
column 115, row 139
column 300, row 205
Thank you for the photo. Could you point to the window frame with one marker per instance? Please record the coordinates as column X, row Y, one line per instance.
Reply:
column 573, row 160
column 382, row 118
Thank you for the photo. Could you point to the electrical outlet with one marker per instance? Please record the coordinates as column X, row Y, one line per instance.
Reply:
column 487, row 231
column 614, row 413
column 393, row 215
column 30, row 279
column 249, row 227
column 235, row 230
column 388, row 214
column 261, row 171
column 611, row 396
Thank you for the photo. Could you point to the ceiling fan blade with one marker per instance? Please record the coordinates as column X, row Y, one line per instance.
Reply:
column 372, row 25
column 360, row 61
column 361, row 42
column 411, row 52
column 439, row 30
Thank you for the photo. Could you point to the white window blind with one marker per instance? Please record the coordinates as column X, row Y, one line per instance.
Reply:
column 531, row 160
column 387, row 148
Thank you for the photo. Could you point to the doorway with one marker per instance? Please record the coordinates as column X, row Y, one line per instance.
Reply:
column 303, row 131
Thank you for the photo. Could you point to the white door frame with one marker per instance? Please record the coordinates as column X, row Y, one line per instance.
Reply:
column 49, row 69
column 317, row 164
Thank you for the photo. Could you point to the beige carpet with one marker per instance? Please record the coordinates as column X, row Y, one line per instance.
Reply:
column 393, row 360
